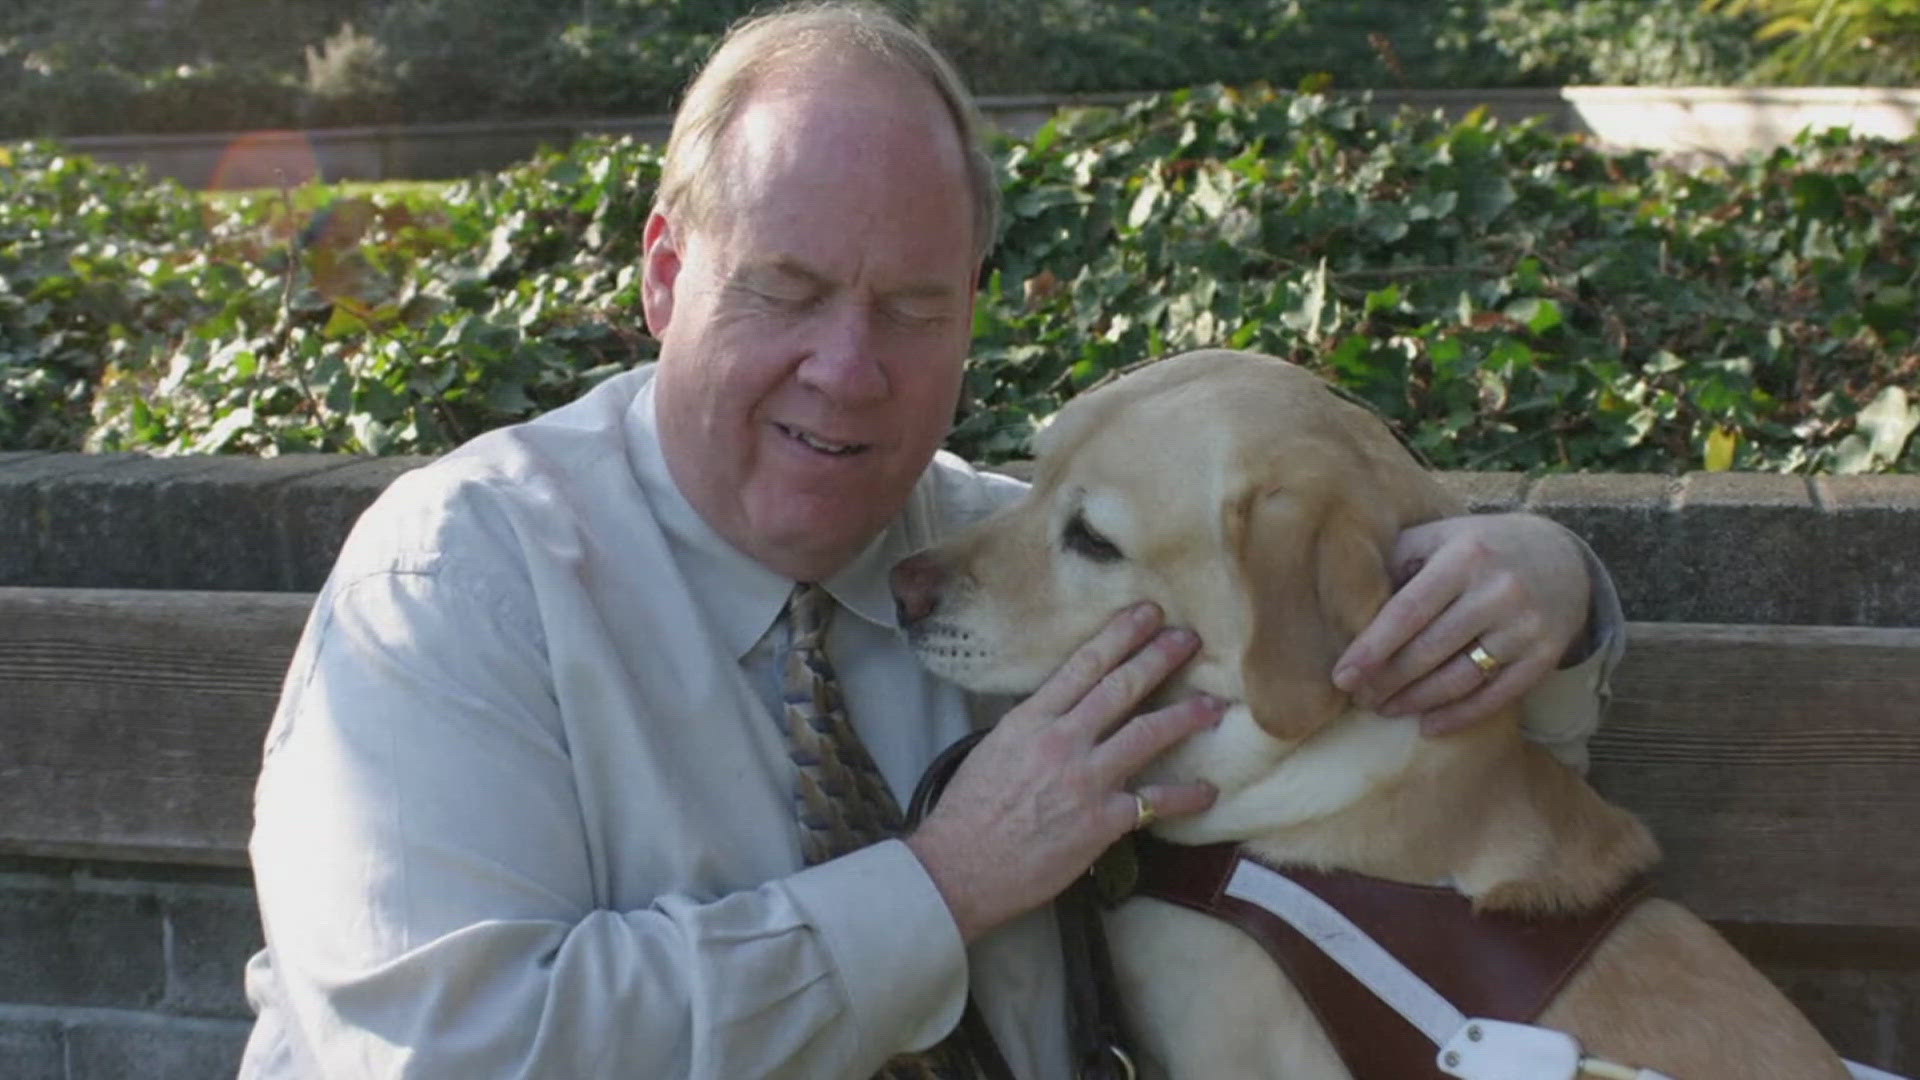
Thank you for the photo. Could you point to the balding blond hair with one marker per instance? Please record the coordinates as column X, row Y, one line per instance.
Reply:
column 692, row 186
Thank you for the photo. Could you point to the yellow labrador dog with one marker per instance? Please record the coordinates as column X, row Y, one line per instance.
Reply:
column 1258, row 508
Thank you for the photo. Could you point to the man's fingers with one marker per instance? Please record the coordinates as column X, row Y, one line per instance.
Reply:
column 1450, row 632
column 1414, row 546
column 1451, row 681
column 1503, row 689
column 1166, row 801
column 1492, row 616
column 1405, row 613
column 1146, row 736
column 1113, row 698
column 1456, row 676
column 1092, row 662
column 1458, row 692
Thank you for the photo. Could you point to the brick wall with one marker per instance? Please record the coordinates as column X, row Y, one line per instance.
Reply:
column 113, row 970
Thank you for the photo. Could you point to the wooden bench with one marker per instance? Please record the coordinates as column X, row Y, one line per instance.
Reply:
column 1780, row 767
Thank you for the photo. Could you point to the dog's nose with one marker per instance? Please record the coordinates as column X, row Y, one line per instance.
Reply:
column 916, row 587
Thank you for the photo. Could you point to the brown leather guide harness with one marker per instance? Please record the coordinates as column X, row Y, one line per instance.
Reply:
column 1490, row 965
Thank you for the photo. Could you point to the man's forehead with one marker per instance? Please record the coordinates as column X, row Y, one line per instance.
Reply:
column 802, row 185
column 849, row 104
column 842, row 78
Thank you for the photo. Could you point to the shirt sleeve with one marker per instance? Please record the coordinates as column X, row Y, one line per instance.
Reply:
column 428, row 894
column 1563, row 711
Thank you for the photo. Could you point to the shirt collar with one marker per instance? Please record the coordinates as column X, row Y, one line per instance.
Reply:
column 740, row 596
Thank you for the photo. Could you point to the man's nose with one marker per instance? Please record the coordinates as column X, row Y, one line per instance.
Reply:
column 917, row 580
column 842, row 362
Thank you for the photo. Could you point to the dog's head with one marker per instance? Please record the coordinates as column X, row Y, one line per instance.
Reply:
column 1234, row 490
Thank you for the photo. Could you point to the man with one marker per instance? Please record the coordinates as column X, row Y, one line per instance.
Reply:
column 526, row 808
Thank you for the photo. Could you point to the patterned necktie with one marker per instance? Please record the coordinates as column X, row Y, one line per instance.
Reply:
column 839, row 796
column 841, row 800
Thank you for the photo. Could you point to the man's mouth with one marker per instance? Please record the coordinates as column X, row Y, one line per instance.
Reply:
column 821, row 445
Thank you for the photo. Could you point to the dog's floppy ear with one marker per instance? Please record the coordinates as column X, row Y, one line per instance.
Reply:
column 1316, row 571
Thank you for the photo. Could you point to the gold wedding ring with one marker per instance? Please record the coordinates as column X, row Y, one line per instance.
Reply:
column 1483, row 659
column 1143, row 812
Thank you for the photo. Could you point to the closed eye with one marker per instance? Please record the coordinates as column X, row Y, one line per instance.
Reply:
column 793, row 300
column 912, row 320
column 1080, row 539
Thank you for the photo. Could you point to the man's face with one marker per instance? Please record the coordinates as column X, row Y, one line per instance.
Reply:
column 812, row 335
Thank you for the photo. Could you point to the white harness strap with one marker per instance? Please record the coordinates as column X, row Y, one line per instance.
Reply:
column 1350, row 947
column 1471, row 1049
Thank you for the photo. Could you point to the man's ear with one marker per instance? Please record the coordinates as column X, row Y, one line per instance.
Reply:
column 1316, row 572
column 660, row 271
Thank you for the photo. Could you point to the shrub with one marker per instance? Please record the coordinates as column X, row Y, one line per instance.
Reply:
column 1620, row 42
column 70, row 67
column 1871, row 42
column 95, row 269
column 1508, row 298
column 350, row 80
column 396, row 325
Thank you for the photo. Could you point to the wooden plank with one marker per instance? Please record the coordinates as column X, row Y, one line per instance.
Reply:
column 131, row 721
column 1779, row 767
column 1767, row 759
column 1870, row 1014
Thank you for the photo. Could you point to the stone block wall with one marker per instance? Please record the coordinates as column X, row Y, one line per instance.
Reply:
column 1748, row 548
column 122, row 971
column 1704, row 547
column 128, row 521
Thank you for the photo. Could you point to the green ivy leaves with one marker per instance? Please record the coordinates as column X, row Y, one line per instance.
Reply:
column 1509, row 298
column 313, row 321
column 1512, row 299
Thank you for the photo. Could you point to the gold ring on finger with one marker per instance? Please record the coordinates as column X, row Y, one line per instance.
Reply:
column 1143, row 812
column 1482, row 659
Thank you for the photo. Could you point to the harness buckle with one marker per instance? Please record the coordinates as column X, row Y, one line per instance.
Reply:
column 1498, row 1050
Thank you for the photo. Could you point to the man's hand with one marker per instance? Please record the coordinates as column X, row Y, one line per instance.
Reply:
column 1046, row 791
column 1516, row 584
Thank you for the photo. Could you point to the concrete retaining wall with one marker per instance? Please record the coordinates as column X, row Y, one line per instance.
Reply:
column 1713, row 121
column 1706, row 547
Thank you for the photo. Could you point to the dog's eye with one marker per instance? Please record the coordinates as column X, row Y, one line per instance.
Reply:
column 1082, row 540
